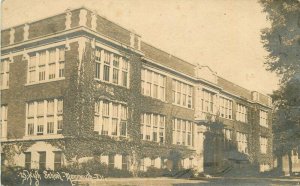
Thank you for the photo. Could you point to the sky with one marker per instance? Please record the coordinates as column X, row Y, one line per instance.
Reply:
column 223, row 34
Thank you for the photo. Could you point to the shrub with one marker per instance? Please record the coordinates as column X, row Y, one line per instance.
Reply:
column 119, row 173
column 92, row 166
column 155, row 172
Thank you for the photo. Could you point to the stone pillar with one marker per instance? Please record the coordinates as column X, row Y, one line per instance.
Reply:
column 26, row 32
column 82, row 17
column 12, row 36
column 94, row 21
column 68, row 19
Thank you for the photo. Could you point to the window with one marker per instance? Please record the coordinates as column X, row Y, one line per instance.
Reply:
column 142, row 164
column 61, row 59
column 110, row 116
column 3, row 121
column 241, row 113
column 111, row 161
column 152, row 163
column 208, row 101
column 57, row 160
column 153, row 84
column 182, row 94
column 182, row 132
column 27, row 160
column 46, row 65
column 242, row 142
column 4, row 73
column 124, row 162
column 190, row 163
column 116, row 70
column 227, row 134
column 125, row 68
column 43, row 118
column 263, row 117
column 42, row 160
column 52, row 63
column 153, row 127
column 263, row 144
column 225, row 108
column 111, row 67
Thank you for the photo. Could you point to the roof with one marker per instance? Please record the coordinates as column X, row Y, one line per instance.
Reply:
column 167, row 59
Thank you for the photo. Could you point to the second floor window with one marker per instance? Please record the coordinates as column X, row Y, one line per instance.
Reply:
column 44, row 117
column 263, row 144
column 46, row 65
column 183, row 132
column 110, row 118
column 225, row 108
column 182, row 94
column 153, row 127
column 3, row 121
column 241, row 113
column 242, row 142
column 207, row 101
column 263, row 118
column 4, row 73
column 112, row 68
column 153, row 84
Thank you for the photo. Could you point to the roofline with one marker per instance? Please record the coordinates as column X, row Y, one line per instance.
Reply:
column 170, row 54
column 70, row 9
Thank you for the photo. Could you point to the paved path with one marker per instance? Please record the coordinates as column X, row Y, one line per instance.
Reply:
column 184, row 182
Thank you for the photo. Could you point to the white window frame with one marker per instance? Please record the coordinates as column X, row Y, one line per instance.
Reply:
column 182, row 133
column 121, row 117
column 36, row 66
column 263, row 118
column 241, row 113
column 3, row 121
column 225, row 107
column 34, row 118
column 180, row 93
column 104, row 57
column 208, row 99
column 4, row 73
column 148, row 79
column 151, row 125
column 242, row 142
column 263, row 144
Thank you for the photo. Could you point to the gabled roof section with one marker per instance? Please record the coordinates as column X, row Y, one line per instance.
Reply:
column 167, row 59
column 235, row 89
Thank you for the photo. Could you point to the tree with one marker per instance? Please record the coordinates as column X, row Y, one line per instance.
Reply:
column 282, row 41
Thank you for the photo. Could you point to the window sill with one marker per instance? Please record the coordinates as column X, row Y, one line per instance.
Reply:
column 6, row 88
column 182, row 106
column 264, row 126
column 46, row 136
column 155, row 98
column 106, row 82
column 226, row 118
column 45, row 81
column 149, row 141
column 115, row 137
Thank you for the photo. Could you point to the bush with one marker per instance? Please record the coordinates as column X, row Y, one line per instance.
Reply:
column 95, row 167
column 119, row 173
column 92, row 166
column 9, row 175
column 155, row 172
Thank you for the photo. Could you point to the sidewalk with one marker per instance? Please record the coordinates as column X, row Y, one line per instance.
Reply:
column 220, row 181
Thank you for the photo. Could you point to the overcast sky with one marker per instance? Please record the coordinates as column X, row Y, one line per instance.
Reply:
column 223, row 34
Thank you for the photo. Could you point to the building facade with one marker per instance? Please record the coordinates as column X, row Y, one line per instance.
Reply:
column 76, row 85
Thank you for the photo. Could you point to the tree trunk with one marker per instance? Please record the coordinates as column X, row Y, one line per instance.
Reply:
column 290, row 162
